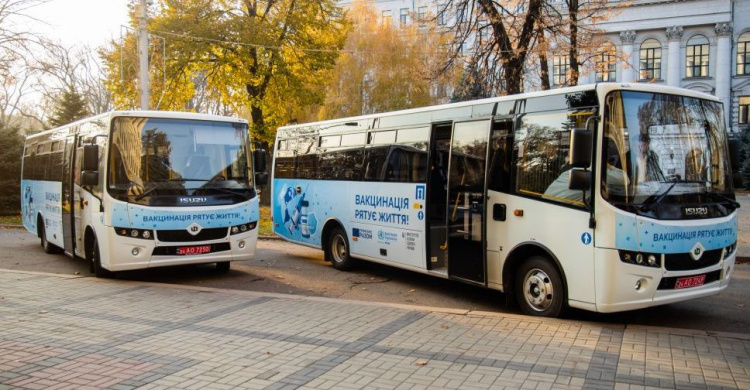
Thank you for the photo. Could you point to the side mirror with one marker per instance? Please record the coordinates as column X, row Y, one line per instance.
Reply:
column 259, row 160
column 90, row 158
column 581, row 146
column 579, row 180
column 89, row 178
column 261, row 178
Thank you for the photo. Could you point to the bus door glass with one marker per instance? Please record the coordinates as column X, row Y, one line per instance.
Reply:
column 78, row 197
column 67, row 192
column 466, row 200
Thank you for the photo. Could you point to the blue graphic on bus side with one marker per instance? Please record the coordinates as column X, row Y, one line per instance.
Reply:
column 640, row 234
column 586, row 238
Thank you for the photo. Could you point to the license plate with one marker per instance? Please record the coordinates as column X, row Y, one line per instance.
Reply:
column 194, row 250
column 690, row 281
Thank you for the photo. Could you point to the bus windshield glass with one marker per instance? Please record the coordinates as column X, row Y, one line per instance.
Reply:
column 664, row 149
column 163, row 157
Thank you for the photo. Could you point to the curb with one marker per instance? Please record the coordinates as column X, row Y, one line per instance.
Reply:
column 428, row 309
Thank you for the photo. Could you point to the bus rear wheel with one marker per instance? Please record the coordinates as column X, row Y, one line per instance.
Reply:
column 539, row 288
column 94, row 256
column 338, row 250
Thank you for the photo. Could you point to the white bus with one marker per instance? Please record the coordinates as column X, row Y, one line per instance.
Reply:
column 604, row 197
column 133, row 190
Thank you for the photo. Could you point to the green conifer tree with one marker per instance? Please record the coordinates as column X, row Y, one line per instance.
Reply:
column 70, row 108
column 11, row 150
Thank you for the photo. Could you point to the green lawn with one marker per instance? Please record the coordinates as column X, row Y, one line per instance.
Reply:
column 10, row 219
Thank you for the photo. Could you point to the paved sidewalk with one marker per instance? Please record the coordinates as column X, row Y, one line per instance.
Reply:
column 67, row 332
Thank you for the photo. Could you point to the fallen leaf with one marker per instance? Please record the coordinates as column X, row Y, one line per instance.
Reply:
column 278, row 277
column 420, row 363
column 77, row 273
column 445, row 326
column 42, row 311
column 269, row 353
column 412, row 290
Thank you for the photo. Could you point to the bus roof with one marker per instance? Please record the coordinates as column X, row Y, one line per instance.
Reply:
column 600, row 87
column 149, row 114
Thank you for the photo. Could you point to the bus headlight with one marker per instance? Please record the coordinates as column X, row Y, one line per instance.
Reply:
column 135, row 233
column 243, row 228
column 639, row 258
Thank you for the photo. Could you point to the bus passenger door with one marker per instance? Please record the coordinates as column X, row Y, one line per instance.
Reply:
column 67, row 194
column 498, row 187
column 78, row 199
column 466, row 201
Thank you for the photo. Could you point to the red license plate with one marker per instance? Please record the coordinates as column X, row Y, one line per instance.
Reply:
column 690, row 281
column 194, row 250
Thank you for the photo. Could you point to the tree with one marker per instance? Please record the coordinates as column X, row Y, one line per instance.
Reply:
column 503, row 54
column 384, row 67
column 269, row 57
column 70, row 107
column 11, row 150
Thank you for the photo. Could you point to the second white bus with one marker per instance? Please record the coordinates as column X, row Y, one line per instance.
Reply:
column 604, row 197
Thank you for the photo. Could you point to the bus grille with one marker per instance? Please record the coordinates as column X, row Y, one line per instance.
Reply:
column 683, row 261
column 669, row 282
column 184, row 236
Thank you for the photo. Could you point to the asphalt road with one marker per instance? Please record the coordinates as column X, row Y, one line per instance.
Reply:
column 281, row 267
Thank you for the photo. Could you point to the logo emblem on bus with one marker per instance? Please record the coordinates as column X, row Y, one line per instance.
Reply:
column 194, row 229
column 697, row 251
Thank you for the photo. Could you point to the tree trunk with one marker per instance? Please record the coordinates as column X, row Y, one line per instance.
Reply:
column 543, row 65
column 573, row 50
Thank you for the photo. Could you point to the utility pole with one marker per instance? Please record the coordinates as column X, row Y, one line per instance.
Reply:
column 143, row 85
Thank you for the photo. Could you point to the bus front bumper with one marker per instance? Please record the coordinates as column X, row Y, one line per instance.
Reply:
column 624, row 286
column 128, row 253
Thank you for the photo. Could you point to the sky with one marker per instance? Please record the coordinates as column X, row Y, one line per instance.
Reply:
column 79, row 22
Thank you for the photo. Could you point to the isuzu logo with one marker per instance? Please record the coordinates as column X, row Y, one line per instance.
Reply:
column 194, row 229
column 695, row 211
column 697, row 251
column 193, row 200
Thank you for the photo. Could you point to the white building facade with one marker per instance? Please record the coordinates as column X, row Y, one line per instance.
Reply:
column 702, row 45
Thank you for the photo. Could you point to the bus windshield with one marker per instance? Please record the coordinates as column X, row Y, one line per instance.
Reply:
column 664, row 149
column 158, row 157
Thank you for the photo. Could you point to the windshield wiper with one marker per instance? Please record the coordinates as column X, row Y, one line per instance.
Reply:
column 156, row 185
column 656, row 199
column 228, row 191
column 717, row 195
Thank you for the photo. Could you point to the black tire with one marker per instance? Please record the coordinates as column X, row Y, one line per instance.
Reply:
column 222, row 267
column 539, row 288
column 46, row 245
column 338, row 250
column 94, row 256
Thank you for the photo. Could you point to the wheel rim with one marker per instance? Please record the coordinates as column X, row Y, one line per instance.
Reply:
column 338, row 249
column 538, row 290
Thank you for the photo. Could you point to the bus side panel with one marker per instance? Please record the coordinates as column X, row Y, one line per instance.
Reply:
column 382, row 220
column 562, row 230
column 43, row 198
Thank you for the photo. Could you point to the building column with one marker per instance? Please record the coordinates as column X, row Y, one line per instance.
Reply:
column 674, row 34
column 630, row 66
column 723, row 67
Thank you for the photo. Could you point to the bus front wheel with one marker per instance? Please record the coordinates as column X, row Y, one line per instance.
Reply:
column 539, row 288
column 338, row 250
column 46, row 245
column 96, row 261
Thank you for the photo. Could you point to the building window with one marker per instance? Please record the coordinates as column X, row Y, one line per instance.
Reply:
column 403, row 17
column 743, row 54
column 560, row 67
column 696, row 60
column 442, row 17
column 606, row 67
column 422, row 14
column 387, row 17
column 650, row 60
column 744, row 111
